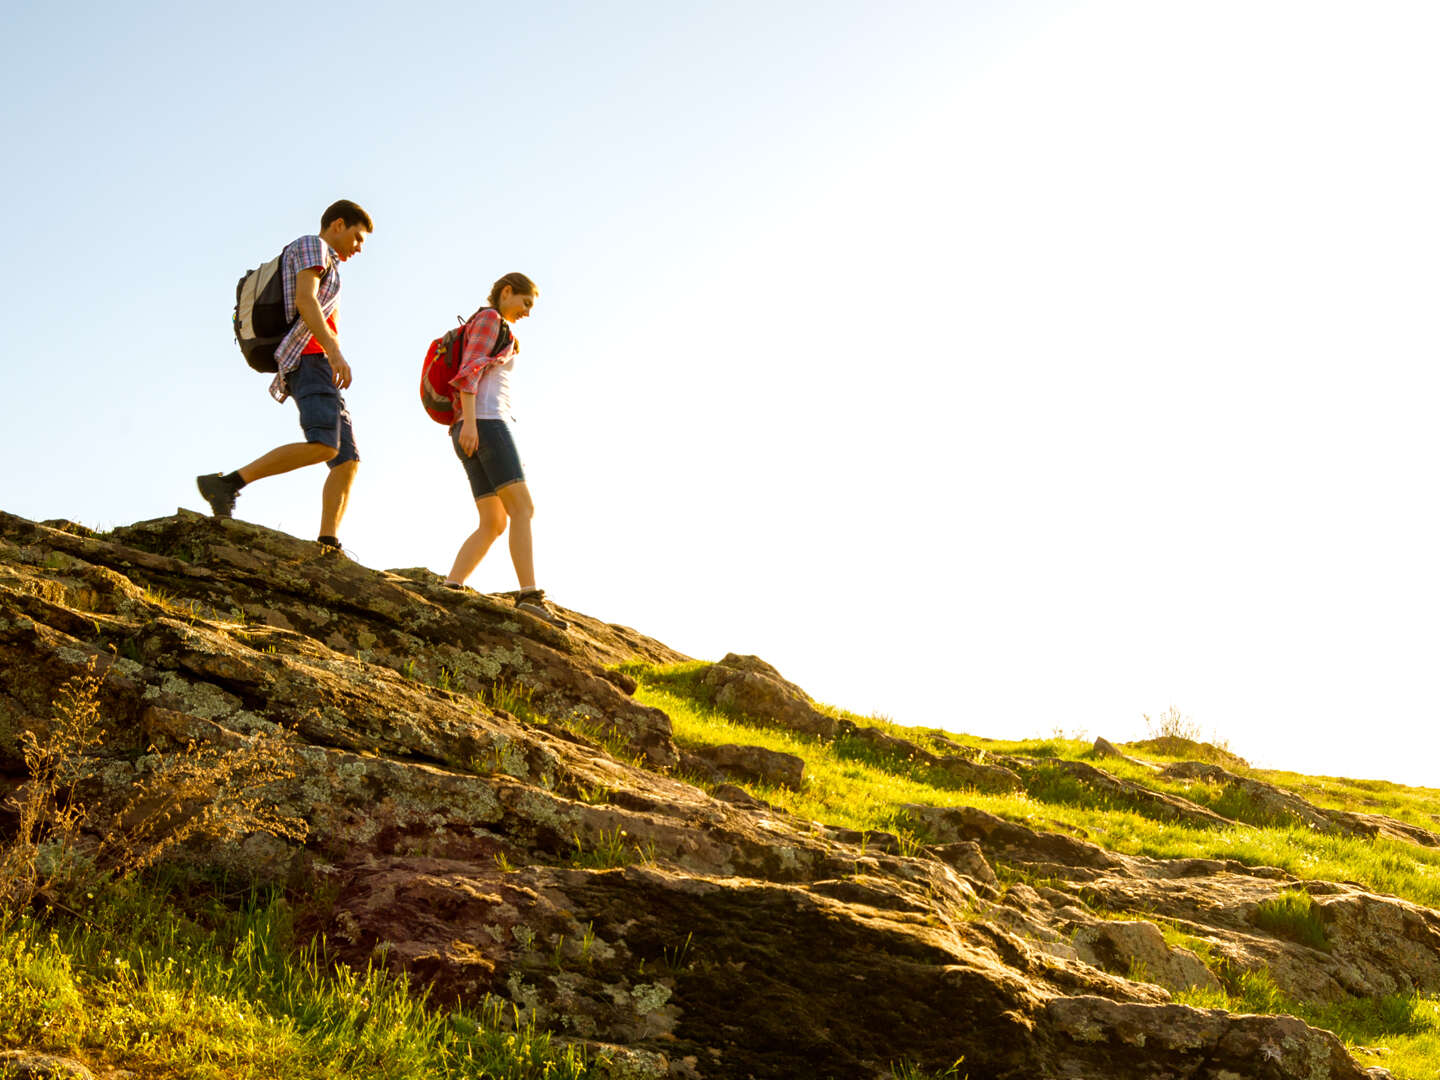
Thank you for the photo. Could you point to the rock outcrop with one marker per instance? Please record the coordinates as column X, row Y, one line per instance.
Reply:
column 1274, row 803
column 748, row 685
column 491, row 811
column 1104, row 748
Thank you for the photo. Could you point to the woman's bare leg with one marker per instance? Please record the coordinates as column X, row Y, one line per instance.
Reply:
column 492, row 524
column 518, row 505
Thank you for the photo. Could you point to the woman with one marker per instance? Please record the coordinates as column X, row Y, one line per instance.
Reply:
column 482, row 439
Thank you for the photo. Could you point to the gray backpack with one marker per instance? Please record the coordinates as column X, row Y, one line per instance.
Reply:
column 260, row 323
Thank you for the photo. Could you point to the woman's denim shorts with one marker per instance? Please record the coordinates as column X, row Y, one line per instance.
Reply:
column 495, row 462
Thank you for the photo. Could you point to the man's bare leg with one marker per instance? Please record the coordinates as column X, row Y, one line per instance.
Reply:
column 287, row 458
column 336, row 496
column 220, row 490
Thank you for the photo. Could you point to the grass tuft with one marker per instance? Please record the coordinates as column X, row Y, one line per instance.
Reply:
column 905, row 1070
column 610, row 849
column 1293, row 915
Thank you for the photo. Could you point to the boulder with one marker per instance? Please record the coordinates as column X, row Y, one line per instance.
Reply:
column 1137, row 949
column 1104, row 748
column 749, row 686
column 979, row 775
column 30, row 1065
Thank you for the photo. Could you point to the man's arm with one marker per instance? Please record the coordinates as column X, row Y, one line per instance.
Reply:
column 307, row 306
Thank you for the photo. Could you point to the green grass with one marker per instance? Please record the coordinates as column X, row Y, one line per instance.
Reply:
column 849, row 784
column 135, row 984
column 1053, row 746
column 515, row 698
column 1051, row 784
column 904, row 1070
column 1292, row 915
column 610, row 849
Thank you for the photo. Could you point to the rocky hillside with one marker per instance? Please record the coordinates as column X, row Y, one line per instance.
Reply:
column 487, row 807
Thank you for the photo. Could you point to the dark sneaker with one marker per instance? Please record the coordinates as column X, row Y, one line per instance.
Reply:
column 532, row 602
column 330, row 546
column 219, row 493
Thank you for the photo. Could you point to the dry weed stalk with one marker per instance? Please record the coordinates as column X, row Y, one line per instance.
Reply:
column 204, row 792
column 1172, row 724
column 50, row 820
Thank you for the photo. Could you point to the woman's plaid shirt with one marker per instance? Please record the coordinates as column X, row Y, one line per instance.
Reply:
column 307, row 253
column 481, row 333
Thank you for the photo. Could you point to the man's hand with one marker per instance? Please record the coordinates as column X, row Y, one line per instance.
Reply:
column 340, row 370
column 469, row 437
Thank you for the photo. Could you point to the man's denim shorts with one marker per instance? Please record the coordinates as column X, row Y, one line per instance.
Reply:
column 495, row 462
column 323, row 415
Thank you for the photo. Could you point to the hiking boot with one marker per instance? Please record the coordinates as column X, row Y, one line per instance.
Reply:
column 331, row 546
column 219, row 493
column 532, row 602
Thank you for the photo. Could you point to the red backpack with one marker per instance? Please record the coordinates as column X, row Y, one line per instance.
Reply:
column 442, row 364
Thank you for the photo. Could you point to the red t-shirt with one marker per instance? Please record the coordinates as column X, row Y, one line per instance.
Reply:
column 315, row 346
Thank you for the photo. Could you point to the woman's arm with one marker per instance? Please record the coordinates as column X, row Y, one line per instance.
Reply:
column 481, row 334
column 469, row 433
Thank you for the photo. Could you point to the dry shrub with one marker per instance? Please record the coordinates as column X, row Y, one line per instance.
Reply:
column 1176, row 733
column 1173, row 724
column 202, row 793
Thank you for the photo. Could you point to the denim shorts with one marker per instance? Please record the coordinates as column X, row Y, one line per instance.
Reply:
column 323, row 415
column 495, row 462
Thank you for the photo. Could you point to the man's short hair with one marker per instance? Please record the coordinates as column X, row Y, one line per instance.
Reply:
column 348, row 212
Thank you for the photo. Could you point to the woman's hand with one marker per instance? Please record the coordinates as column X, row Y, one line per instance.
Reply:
column 469, row 437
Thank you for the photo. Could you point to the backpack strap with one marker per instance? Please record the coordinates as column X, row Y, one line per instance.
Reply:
column 452, row 342
column 503, row 337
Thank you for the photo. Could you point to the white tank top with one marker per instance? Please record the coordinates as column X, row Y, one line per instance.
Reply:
column 492, row 396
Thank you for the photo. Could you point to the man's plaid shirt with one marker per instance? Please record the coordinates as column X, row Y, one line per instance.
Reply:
column 307, row 253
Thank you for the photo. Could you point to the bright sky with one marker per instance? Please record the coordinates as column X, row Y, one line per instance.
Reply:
column 1003, row 367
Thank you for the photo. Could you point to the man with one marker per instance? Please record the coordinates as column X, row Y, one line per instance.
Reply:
column 312, row 370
